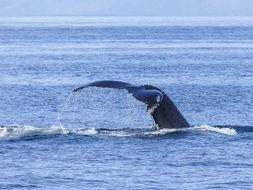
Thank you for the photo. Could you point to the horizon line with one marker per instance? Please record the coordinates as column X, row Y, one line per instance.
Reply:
column 120, row 16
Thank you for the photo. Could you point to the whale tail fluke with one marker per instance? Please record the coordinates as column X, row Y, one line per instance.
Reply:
column 162, row 109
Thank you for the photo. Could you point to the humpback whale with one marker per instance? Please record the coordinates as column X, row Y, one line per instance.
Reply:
column 162, row 109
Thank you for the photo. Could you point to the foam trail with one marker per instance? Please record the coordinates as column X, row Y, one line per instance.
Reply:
column 222, row 130
column 17, row 132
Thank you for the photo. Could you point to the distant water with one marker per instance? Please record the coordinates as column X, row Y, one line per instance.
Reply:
column 51, row 138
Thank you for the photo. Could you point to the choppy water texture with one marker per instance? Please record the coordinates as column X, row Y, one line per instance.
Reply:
column 51, row 138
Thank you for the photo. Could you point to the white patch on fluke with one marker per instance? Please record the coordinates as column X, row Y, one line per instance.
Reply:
column 158, row 99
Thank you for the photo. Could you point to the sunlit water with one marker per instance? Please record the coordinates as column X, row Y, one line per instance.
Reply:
column 51, row 138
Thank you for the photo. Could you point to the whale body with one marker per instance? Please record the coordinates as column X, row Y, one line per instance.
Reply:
column 162, row 109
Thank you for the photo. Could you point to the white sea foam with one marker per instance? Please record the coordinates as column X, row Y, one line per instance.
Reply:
column 223, row 130
column 16, row 132
column 160, row 132
column 88, row 131
column 119, row 133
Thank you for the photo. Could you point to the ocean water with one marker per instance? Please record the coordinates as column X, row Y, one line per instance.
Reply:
column 51, row 138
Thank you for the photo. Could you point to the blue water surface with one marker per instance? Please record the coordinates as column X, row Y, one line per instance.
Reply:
column 51, row 138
